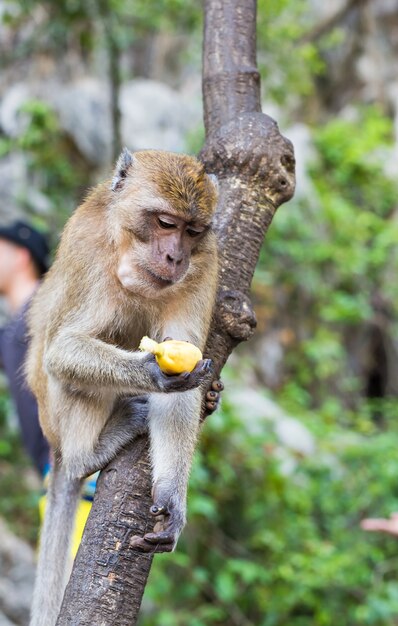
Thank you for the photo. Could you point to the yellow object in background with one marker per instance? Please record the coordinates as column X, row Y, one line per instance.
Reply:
column 82, row 513
column 172, row 356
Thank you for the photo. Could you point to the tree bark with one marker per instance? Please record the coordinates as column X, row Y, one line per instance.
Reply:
column 255, row 167
column 107, row 572
column 253, row 161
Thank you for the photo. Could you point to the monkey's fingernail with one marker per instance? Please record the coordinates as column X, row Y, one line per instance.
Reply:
column 185, row 375
column 157, row 510
column 217, row 385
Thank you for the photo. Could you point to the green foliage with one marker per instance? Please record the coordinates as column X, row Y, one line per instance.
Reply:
column 85, row 25
column 53, row 167
column 268, row 548
column 57, row 26
column 287, row 61
column 18, row 503
column 161, row 15
column 332, row 255
column 263, row 547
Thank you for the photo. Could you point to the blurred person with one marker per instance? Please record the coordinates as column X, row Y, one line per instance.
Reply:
column 23, row 261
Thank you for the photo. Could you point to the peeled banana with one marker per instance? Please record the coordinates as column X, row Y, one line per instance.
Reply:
column 173, row 357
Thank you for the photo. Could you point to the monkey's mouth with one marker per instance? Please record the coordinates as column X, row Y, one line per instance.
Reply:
column 158, row 280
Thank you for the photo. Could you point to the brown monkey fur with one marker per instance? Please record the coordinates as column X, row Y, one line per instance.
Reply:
column 137, row 257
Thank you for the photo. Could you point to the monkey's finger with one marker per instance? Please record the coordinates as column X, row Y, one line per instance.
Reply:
column 211, row 406
column 389, row 526
column 168, row 339
column 162, row 538
column 212, row 396
column 217, row 385
column 205, row 366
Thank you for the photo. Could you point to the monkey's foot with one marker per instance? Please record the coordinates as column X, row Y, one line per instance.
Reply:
column 165, row 533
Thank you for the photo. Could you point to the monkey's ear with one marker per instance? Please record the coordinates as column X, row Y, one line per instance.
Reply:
column 214, row 180
column 123, row 164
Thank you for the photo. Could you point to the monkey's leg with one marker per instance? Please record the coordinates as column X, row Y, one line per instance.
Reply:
column 51, row 572
column 173, row 423
column 128, row 420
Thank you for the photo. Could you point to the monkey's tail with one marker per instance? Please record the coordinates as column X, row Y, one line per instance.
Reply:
column 52, row 567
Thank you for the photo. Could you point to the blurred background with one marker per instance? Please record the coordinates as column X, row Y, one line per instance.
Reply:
column 305, row 443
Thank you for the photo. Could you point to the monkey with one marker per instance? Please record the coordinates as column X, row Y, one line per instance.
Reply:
column 137, row 257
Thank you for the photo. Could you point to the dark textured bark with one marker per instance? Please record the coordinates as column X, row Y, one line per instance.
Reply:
column 253, row 162
column 107, row 572
column 255, row 166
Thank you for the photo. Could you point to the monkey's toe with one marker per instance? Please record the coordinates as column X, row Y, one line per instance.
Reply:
column 154, row 542
column 164, row 541
column 163, row 537
column 158, row 509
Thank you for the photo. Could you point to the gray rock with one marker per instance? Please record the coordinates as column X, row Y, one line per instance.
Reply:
column 83, row 110
column 17, row 570
column 256, row 408
column 300, row 136
column 155, row 116
column 324, row 10
column 294, row 435
column 13, row 184
column 12, row 120
column 270, row 358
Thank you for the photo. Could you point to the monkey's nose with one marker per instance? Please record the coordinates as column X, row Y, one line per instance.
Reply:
column 174, row 260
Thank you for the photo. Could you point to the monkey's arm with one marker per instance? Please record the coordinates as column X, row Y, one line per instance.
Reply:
column 84, row 361
column 174, row 425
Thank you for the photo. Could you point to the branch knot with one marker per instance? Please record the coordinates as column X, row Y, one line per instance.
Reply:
column 252, row 148
column 235, row 314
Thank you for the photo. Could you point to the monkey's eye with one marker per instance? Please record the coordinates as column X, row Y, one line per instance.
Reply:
column 194, row 233
column 164, row 224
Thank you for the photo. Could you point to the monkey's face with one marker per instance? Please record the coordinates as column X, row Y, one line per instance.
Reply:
column 163, row 205
column 157, row 251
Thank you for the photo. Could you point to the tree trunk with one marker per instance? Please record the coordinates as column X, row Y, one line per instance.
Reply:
column 253, row 162
column 255, row 167
column 109, row 577
column 107, row 18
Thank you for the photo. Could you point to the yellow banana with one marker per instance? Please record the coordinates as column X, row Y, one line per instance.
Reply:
column 173, row 357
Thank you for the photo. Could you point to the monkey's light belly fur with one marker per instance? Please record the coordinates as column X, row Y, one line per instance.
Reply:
column 173, row 357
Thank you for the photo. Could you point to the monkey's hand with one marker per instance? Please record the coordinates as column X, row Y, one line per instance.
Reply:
column 170, row 520
column 180, row 382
